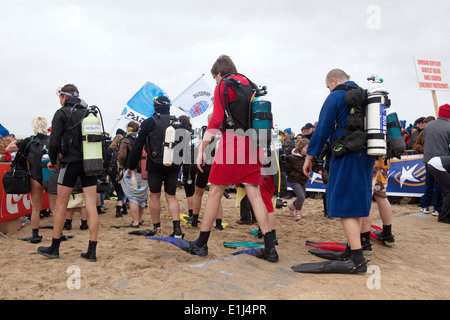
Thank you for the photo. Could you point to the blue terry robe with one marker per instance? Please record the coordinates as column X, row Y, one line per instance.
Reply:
column 349, row 188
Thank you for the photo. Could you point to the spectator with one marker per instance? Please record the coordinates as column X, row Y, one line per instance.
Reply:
column 5, row 140
column 437, row 137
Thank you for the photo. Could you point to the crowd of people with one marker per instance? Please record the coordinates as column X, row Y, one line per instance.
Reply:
column 138, row 185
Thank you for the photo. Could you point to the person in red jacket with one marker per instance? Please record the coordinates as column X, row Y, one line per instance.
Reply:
column 235, row 162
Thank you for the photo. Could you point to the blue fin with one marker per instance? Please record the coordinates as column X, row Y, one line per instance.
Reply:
column 180, row 243
column 252, row 252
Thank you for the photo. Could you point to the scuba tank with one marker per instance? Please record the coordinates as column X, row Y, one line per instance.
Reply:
column 396, row 142
column 261, row 110
column 91, row 130
column 375, row 126
column 261, row 118
column 168, row 146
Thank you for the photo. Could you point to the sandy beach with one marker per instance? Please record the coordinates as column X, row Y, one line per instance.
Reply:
column 131, row 267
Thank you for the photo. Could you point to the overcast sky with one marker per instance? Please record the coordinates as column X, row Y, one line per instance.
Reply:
column 110, row 48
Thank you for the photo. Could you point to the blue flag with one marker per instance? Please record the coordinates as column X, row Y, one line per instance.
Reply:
column 142, row 102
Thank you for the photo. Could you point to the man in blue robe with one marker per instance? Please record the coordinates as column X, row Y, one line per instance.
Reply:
column 349, row 188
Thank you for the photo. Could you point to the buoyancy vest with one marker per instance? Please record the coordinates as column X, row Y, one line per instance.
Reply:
column 36, row 149
column 71, row 141
column 355, row 135
column 155, row 138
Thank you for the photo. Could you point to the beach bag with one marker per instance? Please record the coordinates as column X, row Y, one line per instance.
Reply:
column 17, row 180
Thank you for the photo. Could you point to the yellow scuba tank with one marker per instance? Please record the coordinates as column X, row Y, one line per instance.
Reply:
column 168, row 146
column 91, row 130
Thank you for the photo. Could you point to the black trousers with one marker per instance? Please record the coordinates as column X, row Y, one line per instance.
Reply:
column 443, row 178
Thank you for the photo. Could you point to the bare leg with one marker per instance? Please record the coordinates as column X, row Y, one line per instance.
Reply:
column 155, row 207
column 36, row 200
column 134, row 210
column 259, row 208
column 59, row 214
column 90, row 198
column 174, row 207
column 352, row 230
column 212, row 206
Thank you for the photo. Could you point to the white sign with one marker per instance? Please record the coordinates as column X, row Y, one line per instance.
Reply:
column 430, row 75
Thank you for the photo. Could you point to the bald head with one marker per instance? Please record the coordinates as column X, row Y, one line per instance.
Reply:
column 336, row 77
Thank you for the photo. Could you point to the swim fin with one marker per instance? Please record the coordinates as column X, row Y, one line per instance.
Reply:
column 26, row 239
column 329, row 254
column 252, row 252
column 147, row 233
column 257, row 233
column 260, row 253
column 333, row 246
column 46, row 226
column 237, row 244
column 185, row 218
column 180, row 243
column 336, row 266
column 63, row 238
column 124, row 226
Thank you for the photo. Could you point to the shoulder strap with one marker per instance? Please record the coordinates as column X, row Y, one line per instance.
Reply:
column 25, row 150
column 71, row 112
column 227, row 80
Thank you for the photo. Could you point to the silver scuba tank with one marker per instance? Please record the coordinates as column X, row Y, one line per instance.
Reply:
column 375, row 124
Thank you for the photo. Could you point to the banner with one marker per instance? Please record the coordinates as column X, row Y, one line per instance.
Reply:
column 14, row 206
column 196, row 99
column 406, row 178
column 140, row 106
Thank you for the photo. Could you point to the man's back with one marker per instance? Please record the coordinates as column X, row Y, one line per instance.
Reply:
column 437, row 135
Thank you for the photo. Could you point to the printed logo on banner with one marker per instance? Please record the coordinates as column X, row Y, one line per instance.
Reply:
column 315, row 182
column 13, row 201
column 407, row 176
column 198, row 108
column 414, row 176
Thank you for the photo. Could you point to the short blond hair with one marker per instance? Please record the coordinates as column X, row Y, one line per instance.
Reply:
column 39, row 125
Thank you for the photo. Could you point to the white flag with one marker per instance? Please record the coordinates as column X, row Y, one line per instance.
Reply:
column 196, row 99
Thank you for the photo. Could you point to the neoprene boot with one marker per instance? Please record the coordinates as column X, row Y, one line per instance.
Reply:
column 194, row 222
column 386, row 236
column 35, row 237
column 365, row 243
column 91, row 254
column 68, row 224
column 84, row 225
column 118, row 213
column 177, row 233
column 51, row 252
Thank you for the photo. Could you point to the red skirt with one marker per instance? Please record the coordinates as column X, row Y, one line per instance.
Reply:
column 235, row 161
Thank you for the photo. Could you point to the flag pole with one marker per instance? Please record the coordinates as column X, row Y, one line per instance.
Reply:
column 114, row 127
